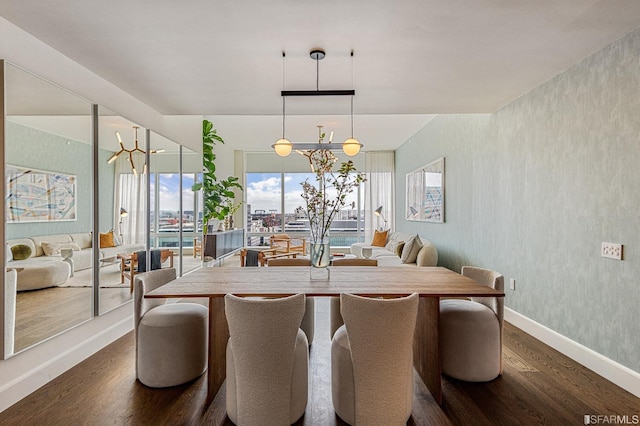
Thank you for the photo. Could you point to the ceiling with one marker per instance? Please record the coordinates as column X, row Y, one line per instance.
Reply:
column 411, row 58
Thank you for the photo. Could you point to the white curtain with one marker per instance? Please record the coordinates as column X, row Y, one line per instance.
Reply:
column 130, row 194
column 379, row 191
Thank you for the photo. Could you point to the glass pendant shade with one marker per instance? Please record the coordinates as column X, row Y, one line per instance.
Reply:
column 283, row 147
column 351, row 147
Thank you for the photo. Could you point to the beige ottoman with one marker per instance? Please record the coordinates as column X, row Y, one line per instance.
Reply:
column 37, row 274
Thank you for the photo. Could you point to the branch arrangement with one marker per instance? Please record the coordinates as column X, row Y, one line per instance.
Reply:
column 322, row 208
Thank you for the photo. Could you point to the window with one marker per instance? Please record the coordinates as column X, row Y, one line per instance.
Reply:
column 270, row 194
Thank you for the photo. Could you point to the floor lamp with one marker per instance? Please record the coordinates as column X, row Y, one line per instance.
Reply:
column 378, row 212
column 123, row 214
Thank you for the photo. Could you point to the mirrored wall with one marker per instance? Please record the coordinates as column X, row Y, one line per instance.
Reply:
column 49, row 186
column 127, row 197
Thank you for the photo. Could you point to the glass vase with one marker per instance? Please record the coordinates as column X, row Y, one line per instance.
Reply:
column 320, row 253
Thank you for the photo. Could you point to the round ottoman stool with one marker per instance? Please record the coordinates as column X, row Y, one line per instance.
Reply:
column 470, row 340
column 172, row 344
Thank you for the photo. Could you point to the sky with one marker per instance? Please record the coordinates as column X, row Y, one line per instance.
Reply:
column 262, row 191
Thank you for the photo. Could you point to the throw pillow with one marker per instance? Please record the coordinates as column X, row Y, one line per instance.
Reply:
column 380, row 238
column 9, row 253
column 106, row 239
column 411, row 249
column 392, row 246
column 20, row 252
column 399, row 248
column 53, row 249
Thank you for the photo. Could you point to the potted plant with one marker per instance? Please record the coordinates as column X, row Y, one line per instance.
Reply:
column 326, row 199
column 217, row 194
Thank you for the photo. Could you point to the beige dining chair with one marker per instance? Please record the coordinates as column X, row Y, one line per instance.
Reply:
column 372, row 360
column 308, row 321
column 267, row 360
column 171, row 338
column 471, row 331
column 336, row 317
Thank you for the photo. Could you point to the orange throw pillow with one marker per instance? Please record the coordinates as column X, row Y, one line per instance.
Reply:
column 106, row 240
column 380, row 238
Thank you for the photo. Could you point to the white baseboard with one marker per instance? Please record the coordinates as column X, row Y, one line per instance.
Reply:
column 35, row 367
column 616, row 373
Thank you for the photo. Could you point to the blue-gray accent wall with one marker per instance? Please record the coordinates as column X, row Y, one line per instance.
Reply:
column 534, row 189
column 29, row 147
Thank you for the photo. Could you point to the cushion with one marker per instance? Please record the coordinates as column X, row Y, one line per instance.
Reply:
column 380, row 238
column 20, row 252
column 8, row 253
column 411, row 249
column 399, row 248
column 392, row 246
column 53, row 249
column 106, row 240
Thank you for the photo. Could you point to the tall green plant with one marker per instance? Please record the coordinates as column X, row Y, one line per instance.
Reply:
column 218, row 195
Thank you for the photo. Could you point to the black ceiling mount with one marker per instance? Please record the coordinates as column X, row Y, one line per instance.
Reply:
column 318, row 92
column 317, row 55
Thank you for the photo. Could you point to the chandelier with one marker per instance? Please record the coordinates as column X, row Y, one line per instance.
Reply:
column 284, row 146
column 131, row 151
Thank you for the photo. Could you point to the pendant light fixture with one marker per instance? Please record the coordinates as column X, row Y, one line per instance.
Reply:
column 283, row 146
column 131, row 151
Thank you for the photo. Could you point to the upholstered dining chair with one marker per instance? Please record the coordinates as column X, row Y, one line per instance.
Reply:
column 471, row 331
column 336, row 317
column 171, row 339
column 372, row 360
column 267, row 360
column 309, row 319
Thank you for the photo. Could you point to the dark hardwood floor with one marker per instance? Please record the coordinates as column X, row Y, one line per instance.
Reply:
column 538, row 386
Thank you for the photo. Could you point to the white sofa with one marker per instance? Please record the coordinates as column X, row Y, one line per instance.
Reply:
column 387, row 256
column 41, row 271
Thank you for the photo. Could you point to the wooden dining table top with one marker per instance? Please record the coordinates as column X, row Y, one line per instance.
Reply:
column 365, row 281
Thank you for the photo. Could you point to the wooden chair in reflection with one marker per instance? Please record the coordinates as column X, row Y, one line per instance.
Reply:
column 130, row 264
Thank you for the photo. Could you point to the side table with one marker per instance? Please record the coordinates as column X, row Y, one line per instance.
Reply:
column 67, row 256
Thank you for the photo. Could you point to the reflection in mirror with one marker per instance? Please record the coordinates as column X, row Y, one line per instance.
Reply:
column 122, row 205
column 48, row 210
column 166, row 190
column 425, row 193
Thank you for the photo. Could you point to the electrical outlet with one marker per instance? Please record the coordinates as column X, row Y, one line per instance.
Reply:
column 611, row 250
column 512, row 283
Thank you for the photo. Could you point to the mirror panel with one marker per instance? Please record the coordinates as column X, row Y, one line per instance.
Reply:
column 122, row 205
column 49, row 184
column 168, row 216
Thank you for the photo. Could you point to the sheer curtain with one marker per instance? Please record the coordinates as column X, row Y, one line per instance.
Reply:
column 379, row 191
column 130, row 194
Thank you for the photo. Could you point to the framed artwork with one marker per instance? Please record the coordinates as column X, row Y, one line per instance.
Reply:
column 425, row 193
column 39, row 196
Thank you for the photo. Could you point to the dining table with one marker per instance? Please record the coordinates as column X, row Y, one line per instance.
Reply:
column 431, row 283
